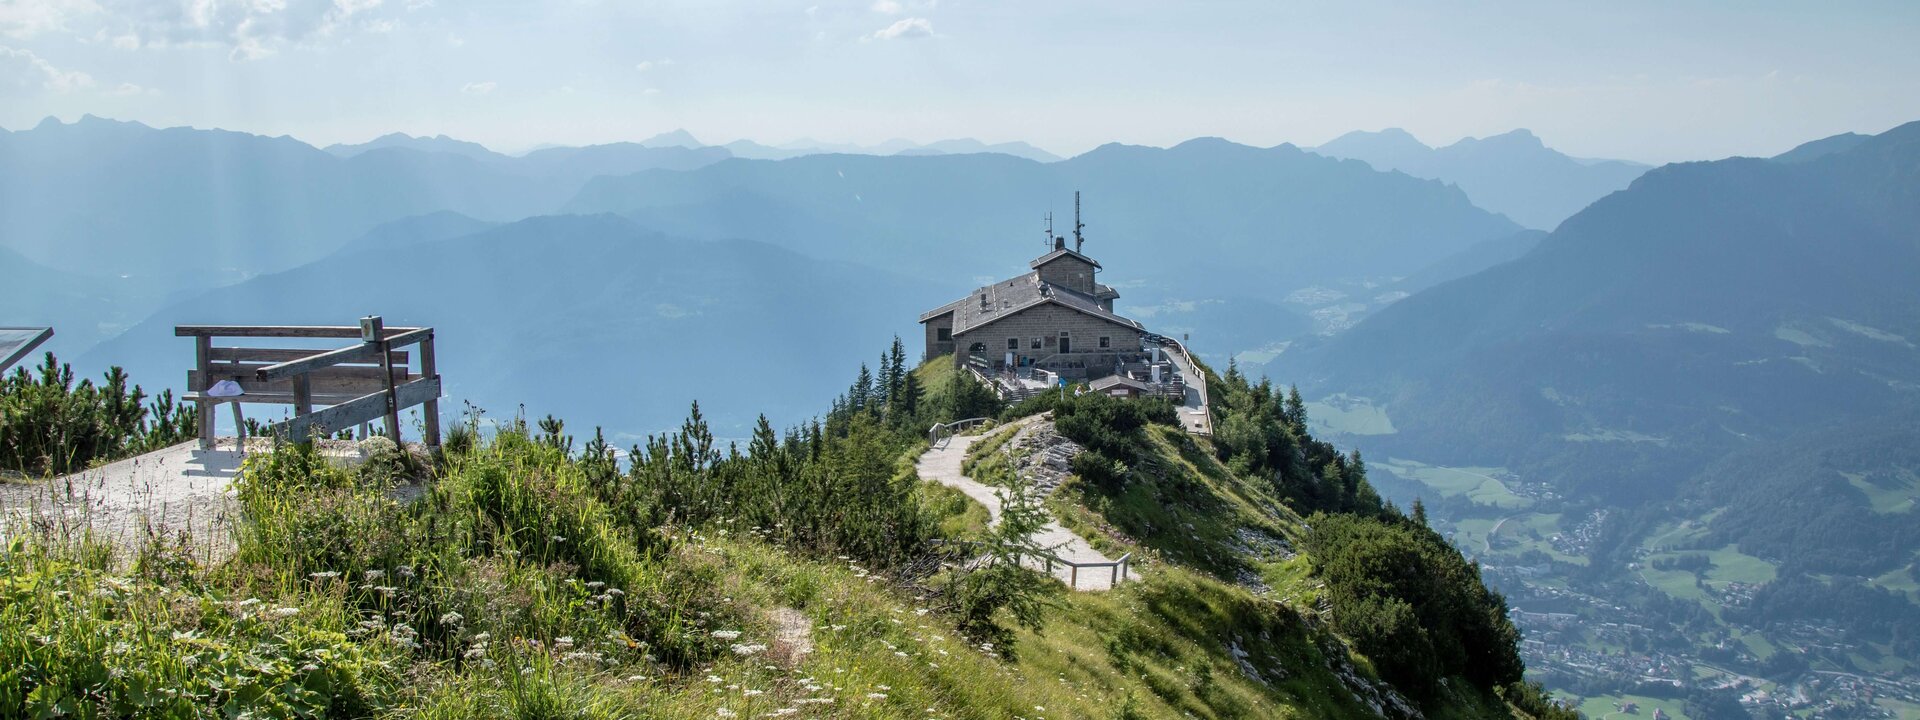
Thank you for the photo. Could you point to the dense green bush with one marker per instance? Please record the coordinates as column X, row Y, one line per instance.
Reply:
column 51, row 425
column 1412, row 603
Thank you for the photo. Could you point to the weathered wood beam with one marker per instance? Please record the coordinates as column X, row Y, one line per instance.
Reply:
column 276, row 355
column 362, row 352
column 281, row 331
column 366, row 408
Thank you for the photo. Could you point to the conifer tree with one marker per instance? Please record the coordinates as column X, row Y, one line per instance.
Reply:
column 1296, row 410
column 897, row 371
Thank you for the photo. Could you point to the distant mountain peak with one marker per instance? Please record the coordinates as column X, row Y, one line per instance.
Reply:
column 677, row 137
column 1517, row 138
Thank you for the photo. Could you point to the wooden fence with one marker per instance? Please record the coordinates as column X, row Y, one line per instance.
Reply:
column 359, row 383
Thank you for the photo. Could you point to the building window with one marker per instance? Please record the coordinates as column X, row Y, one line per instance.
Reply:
column 1105, row 342
column 1036, row 343
column 1013, row 343
column 944, row 334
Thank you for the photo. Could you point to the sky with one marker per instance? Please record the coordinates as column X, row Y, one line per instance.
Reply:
column 1648, row 81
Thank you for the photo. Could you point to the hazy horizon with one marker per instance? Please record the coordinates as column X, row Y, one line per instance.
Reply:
column 1642, row 82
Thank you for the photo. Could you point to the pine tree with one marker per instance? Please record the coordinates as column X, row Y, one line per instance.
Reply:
column 1419, row 513
column 1296, row 410
column 896, row 370
column 907, row 405
column 862, row 391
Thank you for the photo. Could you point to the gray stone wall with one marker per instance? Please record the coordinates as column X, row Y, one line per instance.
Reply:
column 1069, row 272
column 935, row 346
column 1045, row 323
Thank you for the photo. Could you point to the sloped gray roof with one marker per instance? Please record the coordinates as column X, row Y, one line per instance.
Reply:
column 1113, row 380
column 1009, row 297
column 1057, row 254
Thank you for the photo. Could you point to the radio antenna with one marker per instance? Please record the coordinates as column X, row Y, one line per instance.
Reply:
column 1078, row 239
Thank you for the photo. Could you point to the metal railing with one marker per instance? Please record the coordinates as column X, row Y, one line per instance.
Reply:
column 1119, row 567
column 941, row 432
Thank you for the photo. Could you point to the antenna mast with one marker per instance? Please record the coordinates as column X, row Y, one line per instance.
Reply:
column 1048, row 239
column 1078, row 240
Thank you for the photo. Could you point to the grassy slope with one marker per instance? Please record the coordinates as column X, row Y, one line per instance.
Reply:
column 259, row 631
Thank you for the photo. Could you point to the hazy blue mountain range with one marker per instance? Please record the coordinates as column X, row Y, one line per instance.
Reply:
column 194, row 208
column 1821, row 148
column 580, row 316
column 1233, row 219
column 1513, row 174
column 1708, row 305
column 1202, row 236
column 1693, row 408
column 437, row 143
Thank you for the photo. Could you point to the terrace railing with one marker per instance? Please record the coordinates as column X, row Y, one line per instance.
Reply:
column 358, row 384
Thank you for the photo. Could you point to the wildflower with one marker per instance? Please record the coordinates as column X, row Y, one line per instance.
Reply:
column 750, row 692
column 324, row 575
column 595, row 585
column 482, row 637
column 876, row 696
column 726, row 634
column 373, row 575
column 744, row 650
column 285, row 612
column 715, row 679
column 563, row 642
column 452, row 618
column 476, row 653
column 723, row 712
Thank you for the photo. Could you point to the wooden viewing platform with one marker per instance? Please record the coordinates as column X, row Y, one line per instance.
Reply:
column 359, row 383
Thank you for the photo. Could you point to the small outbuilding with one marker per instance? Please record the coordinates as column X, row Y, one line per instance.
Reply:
column 1120, row 386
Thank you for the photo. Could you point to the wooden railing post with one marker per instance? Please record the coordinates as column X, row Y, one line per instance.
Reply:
column 431, row 407
column 302, row 404
column 203, row 362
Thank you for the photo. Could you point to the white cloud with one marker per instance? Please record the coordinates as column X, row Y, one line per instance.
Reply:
column 27, row 18
column 887, row 7
column 248, row 28
column 646, row 65
column 127, row 89
column 478, row 88
column 650, row 91
column 22, row 68
column 904, row 29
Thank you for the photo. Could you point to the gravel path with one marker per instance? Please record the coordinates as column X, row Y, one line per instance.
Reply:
column 180, row 489
column 942, row 464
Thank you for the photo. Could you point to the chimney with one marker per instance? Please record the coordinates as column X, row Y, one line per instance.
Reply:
column 1059, row 243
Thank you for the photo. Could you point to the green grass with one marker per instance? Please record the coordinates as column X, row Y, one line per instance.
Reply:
column 1350, row 415
column 960, row 517
column 1892, row 495
column 1730, row 565
column 501, row 612
column 1758, row 644
column 1601, row 707
column 1519, row 534
column 1899, row 580
column 1477, row 484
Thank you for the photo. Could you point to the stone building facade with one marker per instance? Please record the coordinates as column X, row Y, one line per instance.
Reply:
column 1057, row 317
